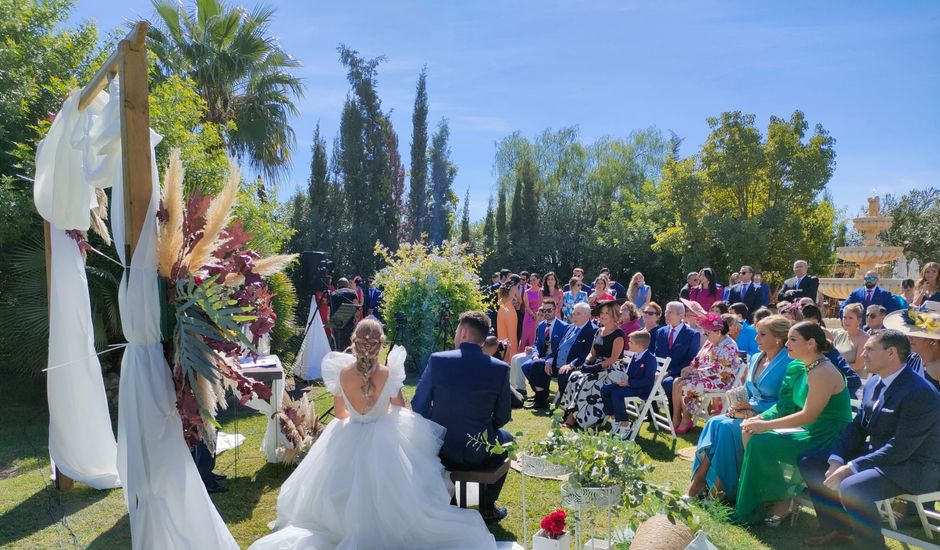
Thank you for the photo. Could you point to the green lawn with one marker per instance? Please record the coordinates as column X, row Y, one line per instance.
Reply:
column 35, row 515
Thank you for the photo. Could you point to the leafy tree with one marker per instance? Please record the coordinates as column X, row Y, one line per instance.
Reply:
column 443, row 198
column 240, row 71
column 916, row 224
column 418, row 190
column 465, row 219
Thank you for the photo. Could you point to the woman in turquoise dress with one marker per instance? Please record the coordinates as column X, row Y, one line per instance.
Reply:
column 811, row 417
column 720, row 450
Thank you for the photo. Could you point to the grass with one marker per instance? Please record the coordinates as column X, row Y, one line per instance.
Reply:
column 33, row 514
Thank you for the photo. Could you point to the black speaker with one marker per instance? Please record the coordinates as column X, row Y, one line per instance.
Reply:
column 314, row 267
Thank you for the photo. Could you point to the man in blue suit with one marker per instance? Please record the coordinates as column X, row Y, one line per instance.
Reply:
column 746, row 291
column 871, row 294
column 891, row 448
column 467, row 392
column 568, row 354
column 548, row 335
column 676, row 341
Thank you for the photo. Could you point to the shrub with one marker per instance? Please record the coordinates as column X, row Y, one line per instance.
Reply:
column 419, row 284
column 284, row 304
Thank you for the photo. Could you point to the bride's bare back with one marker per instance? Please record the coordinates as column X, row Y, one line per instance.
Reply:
column 351, row 382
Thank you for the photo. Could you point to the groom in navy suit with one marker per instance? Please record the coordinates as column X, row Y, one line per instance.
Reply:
column 467, row 392
column 891, row 448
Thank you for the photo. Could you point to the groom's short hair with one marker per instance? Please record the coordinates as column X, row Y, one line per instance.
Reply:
column 478, row 323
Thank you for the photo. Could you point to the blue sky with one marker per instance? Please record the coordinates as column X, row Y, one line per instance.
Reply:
column 869, row 72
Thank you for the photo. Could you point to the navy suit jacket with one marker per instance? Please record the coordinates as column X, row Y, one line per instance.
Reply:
column 808, row 287
column 558, row 330
column 903, row 430
column 751, row 298
column 880, row 297
column 581, row 347
column 467, row 392
column 642, row 371
column 684, row 348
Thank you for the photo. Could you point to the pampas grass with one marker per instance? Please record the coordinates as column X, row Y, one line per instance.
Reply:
column 217, row 219
column 170, row 234
column 99, row 214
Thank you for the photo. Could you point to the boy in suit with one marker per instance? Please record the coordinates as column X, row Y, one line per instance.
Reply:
column 637, row 381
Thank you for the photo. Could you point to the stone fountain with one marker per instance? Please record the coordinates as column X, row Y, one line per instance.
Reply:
column 872, row 255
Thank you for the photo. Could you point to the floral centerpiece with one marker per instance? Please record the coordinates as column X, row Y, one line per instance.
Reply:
column 552, row 535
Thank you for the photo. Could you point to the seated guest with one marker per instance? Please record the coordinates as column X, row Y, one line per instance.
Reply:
column 874, row 318
column 494, row 348
column 719, row 308
column 615, row 287
column 714, row 368
column 691, row 281
column 506, row 320
column 467, row 392
column 925, row 343
column 676, row 341
column 743, row 334
column 907, row 290
column 708, row 292
column 850, row 339
column 547, row 332
column 574, row 295
column 812, row 314
column 582, row 398
column 761, row 314
column 791, row 311
column 639, row 292
column 805, row 301
column 629, row 318
column 814, row 398
column 891, row 448
column 800, row 285
column 927, row 286
column 763, row 288
column 746, row 291
column 720, row 449
column 652, row 314
column 600, row 293
column 570, row 352
column 637, row 381
column 870, row 294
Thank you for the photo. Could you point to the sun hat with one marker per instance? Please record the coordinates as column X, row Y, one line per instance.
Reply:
column 596, row 310
column 921, row 322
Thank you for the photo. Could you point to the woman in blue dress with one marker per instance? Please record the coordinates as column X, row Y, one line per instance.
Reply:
column 719, row 451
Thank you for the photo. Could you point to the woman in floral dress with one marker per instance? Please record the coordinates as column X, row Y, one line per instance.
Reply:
column 715, row 368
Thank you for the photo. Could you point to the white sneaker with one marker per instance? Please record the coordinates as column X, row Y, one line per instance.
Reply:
column 624, row 431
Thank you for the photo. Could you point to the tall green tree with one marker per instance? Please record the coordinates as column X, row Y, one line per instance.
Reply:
column 241, row 72
column 465, row 219
column 393, row 214
column 443, row 198
column 502, row 229
column 418, row 186
column 916, row 224
column 518, row 240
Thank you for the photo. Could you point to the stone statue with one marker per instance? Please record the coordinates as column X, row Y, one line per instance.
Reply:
column 874, row 206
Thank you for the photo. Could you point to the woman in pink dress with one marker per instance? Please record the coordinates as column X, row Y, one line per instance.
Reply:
column 550, row 289
column 531, row 301
column 708, row 292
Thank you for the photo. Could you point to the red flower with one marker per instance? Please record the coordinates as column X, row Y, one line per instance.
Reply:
column 553, row 525
column 198, row 281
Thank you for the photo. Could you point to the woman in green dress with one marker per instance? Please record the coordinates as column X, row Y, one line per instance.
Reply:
column 813, row 408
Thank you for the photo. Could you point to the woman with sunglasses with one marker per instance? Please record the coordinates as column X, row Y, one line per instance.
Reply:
column 650, row 316
column 572, row 297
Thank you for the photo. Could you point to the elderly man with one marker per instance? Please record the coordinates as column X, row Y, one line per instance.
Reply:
column 871, row 294
column 875, row 318
column 677, row 341
column 571, row 349
column 799, row 285
column 892, row 448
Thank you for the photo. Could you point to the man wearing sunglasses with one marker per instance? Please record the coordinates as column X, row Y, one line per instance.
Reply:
column 746, row 291
column 874, row 318
column 871, row 294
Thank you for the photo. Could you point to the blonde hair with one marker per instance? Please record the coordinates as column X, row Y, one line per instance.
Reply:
column 777, row 325
column 634, row 286
column 922, row 281
column 367, row 341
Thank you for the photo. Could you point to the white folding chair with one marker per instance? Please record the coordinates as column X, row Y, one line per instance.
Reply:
column 929, row 518
column 640, row 408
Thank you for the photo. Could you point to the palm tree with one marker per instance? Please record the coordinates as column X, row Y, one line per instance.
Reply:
column 240, row 71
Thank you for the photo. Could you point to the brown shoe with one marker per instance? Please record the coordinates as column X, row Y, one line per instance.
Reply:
column 832, row 538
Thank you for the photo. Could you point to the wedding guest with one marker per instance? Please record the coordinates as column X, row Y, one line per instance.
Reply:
column 629, row 319
column 927, row 286
column 582, row 401
column 522, row 285
column 570, row 354
column 467, row 392
column 639, row 292
column 714, row 368
column 708, row 291
column 764, row 289
column 600, row 293
column 744, row 335
column 578, row 273
column 791, row 311
column 506, row 319
column 814, row 396
column 925, row 342
column 746, row 291
column 530, row 302
column 850, row 339
column 720, row 448
column 652, row 315
column 812, row 314
column 677, row 341
column 800, row 285
column 761, row 314
column 615, row 288
column 719, row 308
column 805, row 301
column 733, row 280
column 491, row 296
column 691, row 281
column 692, row 321
column 874, row 317
column 870, row 294
column 907, row 292
column 888, row 450
column 637, row 381
column 574, row 295
column 343, row 295
column 548, row 332
column 551, row 290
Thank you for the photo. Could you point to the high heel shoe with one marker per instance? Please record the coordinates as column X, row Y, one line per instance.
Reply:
column 684, row 428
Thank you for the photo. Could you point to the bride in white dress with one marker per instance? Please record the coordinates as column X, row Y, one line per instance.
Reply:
column 373, row 480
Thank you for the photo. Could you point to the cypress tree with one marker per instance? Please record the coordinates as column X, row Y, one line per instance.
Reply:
column 418, row 191
column 502, row 235
column 489, row 228
column 443, row 173
column 465, row 219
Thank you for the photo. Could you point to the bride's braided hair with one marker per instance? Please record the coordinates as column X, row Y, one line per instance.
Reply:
column 367, row 341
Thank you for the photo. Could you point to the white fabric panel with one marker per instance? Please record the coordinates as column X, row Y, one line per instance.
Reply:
column 314, row 347
column 81, row 443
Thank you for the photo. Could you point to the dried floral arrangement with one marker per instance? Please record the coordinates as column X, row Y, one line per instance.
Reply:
column 215, row 290
column 298, row 421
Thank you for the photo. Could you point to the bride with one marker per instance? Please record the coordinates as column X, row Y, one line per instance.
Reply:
column 373, row 479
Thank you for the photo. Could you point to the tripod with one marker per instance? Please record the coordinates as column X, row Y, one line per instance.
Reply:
column 443, row 322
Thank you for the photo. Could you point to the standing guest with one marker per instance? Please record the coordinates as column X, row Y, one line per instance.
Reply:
column 761, row 314
column 637, row 381
column 870, row 294
column 360, row 297
column 928, row 286
column 746, row 291
column 578, row 273
column 582, row 399
column 733, row 280
column 629, row 319
column 708, row 291
column 891, row 448
column 506, row 320
column 850, row 339
column 521, row 288
column 574, row 295
column 600, row 293
column 373, row 297
column 814, row 398
column 763, row 288
column 691, row 281
column 639, row 292
column 570, row 354
column 720, row 448
column 874, row 317
column 676, row 341
column 745, row 335
column 467, row 392
column 812, row 314
column 550, row 289
column 925, row 342
column 800, row 285
column 714, row 368
column 530, row 302
column 652, row 315
column 719, row 308
column 343, row 295
column 491, row 296
column 615, row 288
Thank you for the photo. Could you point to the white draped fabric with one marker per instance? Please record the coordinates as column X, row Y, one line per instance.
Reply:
column 314, row 347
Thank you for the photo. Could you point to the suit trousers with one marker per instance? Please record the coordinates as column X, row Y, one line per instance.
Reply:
column 534, row 371
column 493, row 490
column 614, row 399
column 852, row 510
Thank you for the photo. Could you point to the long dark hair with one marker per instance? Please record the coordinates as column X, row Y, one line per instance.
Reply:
column 809, row 330
column 545, row 291
column 710, row 277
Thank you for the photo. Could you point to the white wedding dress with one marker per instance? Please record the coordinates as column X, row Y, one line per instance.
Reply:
column 373, row 481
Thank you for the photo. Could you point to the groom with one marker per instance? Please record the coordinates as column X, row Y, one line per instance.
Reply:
column 467, row 392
